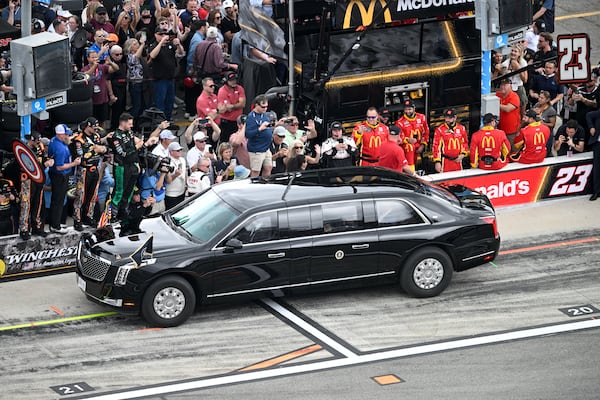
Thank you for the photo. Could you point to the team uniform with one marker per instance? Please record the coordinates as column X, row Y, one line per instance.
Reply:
column 87, row 177
column 448, row 144
column 369, row 142
column 531, row 142
column 32, row 198
column 417, row 128
column 489, row 148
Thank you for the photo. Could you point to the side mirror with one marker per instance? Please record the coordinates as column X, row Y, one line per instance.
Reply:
column 233, row 244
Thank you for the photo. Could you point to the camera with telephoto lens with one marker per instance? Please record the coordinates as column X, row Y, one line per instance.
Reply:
column 153, row 163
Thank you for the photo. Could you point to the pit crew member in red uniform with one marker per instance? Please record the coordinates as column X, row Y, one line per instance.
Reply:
column 531, row 140
column 450, row 144
column 489, row 146
column 415, row 132
column 368, row 136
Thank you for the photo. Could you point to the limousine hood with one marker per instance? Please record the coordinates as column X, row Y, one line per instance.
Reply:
column 156, row 234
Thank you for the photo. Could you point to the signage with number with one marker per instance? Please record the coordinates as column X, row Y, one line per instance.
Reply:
column 72, row 388
column 580, row 311
column 573, row 58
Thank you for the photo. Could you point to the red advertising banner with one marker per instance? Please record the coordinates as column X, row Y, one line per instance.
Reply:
column 521, row 184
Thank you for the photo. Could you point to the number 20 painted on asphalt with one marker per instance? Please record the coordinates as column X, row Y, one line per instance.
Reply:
column 566, row 174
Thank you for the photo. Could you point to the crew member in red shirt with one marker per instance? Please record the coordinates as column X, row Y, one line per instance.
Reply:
column 368, row 136
column 391, row 154
column 531, row 140
column 415, row 132
column 489, row 146
column 450, row 144
column 510, row 110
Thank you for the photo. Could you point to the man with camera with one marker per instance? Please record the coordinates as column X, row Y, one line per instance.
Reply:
column 12, row 13
column 162, row 60
column 86, row 145
column 569, row 138
column 259, row 133
column 338, row 150
column 233, row 98
column 176, row 177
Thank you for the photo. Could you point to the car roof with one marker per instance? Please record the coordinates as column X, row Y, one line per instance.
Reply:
column 305, row 186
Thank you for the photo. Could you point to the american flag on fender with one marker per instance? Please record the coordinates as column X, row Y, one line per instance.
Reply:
column 105, row 217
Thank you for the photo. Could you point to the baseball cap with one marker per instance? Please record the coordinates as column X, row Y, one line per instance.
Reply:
column 174, row 146
column 241, row 172
column 231, row 76
column 449, row 113
column 199, row 136
column 409, row 103
column 62, row 129
column 489, row 117
column 336, row 125
column 212, row 32
column 91, row 121
column 384, row 112
column 279, row 131
column 531, row 113
column 101, row 10
column 227, row 4
column 166, row 134
column 112, row 38
column 394, row 130
column 505, row 81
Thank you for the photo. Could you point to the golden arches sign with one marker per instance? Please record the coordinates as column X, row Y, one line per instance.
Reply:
column 366, row 15
column 488, row 142
column 454, row 144
column 539, row 138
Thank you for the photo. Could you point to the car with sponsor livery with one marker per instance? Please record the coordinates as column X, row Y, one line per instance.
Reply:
column 318, row 229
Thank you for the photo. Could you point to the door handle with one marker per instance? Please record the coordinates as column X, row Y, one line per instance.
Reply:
column 276, row 255
column 360, row 246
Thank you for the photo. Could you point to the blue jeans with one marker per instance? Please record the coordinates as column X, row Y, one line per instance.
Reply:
column 138, row 105
column 164, row 95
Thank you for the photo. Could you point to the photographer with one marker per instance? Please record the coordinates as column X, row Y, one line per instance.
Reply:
column 102, row 91
column 338, row 150
column 162, row 60
column 177, row 177
column 152, row 181
column 570, row 137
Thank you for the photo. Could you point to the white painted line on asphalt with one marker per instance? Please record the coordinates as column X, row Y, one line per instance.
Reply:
column 350, row 361
column 293, row 318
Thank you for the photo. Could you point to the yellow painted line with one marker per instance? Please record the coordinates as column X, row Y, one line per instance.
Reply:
column 56, row 321
column 283, row 358
column 580, row 15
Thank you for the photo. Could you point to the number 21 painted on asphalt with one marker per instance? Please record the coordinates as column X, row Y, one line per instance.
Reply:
column 565, row 175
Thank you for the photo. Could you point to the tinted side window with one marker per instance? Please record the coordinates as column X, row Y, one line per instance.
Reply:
column 342, row 217
column 260, row 228
column 299, row 224
column 395, row 212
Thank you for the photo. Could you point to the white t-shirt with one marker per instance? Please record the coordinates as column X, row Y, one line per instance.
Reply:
column 177, row 186
column 515, row 79
column 160, row 151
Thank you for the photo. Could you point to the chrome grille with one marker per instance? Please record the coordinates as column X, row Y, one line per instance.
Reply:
column 91, row 267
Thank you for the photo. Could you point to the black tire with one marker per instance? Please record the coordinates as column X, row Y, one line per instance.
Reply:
column 168, row 302
column 426, row 272
column 82, row 89
column 72, row 113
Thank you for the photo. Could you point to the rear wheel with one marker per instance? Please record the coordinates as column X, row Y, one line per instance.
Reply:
column 168, row 302
column 426, row 273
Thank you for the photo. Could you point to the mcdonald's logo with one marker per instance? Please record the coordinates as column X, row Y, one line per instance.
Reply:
column 488, row 142
column 454, row 144
column 374, row 142
column 366, row 15
column 539, row 138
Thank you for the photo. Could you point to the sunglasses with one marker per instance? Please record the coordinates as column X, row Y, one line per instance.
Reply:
column 212, row 86
column 371, row 117
column 298, row 147
column 263, row 105
column 294, row 124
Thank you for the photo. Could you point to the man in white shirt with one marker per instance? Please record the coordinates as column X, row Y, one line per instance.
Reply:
column 166, row 137
column 201, row 150
column 176, row 180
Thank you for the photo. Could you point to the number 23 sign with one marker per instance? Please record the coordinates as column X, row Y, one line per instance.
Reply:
column 573, row 58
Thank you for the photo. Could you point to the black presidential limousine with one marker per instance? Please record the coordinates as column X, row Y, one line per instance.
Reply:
column 313, row 229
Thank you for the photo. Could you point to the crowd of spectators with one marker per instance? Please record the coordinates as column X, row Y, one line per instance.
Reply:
column 138, row 52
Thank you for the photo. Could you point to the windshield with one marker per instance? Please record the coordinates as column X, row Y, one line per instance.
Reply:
column 205, row 216
column 442, row 193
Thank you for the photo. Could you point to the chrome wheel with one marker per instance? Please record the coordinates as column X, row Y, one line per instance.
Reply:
column 169, row 302
column 428, row 273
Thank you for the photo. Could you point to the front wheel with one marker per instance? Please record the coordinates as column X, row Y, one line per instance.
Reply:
column 168, row 302
column 426, row 273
